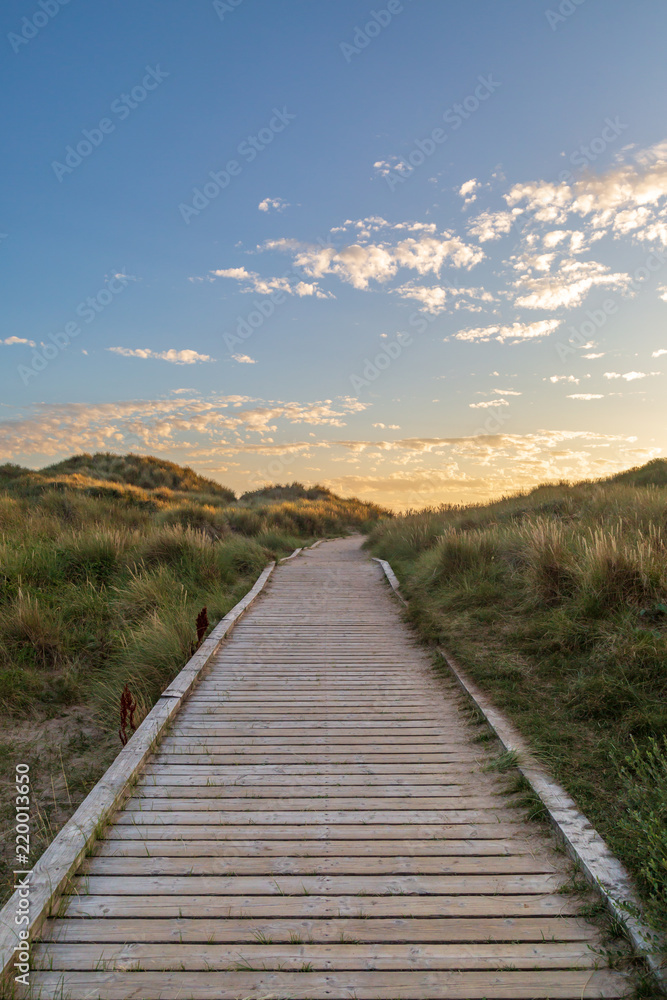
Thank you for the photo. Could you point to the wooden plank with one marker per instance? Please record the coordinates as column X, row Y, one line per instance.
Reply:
column 335, row 929
column 270, row 744
column 254, row 846
column 292, row 957
column 309, row 770
column 182, row 886
column 287, row 757
column 173, row 786
column 397, row 864
column 351, row 783
column 314, row 831
column 217, row 907
column 557, row 985
column 330, row 817
column 467, row 809
column 146, row 801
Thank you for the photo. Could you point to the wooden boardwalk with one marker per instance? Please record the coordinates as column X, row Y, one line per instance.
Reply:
column 317, row 824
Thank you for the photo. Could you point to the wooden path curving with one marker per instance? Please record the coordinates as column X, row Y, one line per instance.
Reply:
column 317, row 824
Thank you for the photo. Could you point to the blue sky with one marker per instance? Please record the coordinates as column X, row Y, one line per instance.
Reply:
column 443, row 227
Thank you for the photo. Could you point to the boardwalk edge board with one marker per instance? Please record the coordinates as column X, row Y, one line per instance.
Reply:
column 52, row 872
column 583, row 843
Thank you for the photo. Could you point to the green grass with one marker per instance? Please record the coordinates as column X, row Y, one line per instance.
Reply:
column 556, row 604
column 101, row 581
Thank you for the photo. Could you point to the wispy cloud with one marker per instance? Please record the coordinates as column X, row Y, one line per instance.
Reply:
column 487, row 403
column 252, row 282
column 18, row 340
column 629, row 376
column 468, row 191
column 514, row 333
column 277, row 204
column 363, row 262
column 185, row 357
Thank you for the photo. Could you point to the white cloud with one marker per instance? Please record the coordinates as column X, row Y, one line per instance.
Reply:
column 279, row 204
column 487, row 403
column 186, row 357
column 468, row 191
column 592, row 357
column 563, row 378
column 515, row 333
column 585, row 395
column 658, row 354
column 18, row 340
column 264, row 286
column 435, row 298
column 625, row 198
column 244, row 359
column 159, row 424
column 254, row 283
column 662, row 292
column 361, row 263
column 490, row 225
column 568, row 287
column 389, row 427
column 629, row 376
column 507, row 392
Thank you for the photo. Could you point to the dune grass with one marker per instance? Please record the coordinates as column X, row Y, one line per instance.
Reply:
column 556, row 604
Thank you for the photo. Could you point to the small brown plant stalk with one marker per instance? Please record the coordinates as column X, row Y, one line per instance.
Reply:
column 128, row 706
column 201, row 625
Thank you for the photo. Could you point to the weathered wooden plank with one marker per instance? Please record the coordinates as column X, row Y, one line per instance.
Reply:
column 145, row 800
column 254, row 846
column 180, row 886
column 287, row 757
column 220, row 788
column 315, row 831
column 349, row 784
column 397, row 864
column 134, row 956
column 556, row 985
column 149, row 817
column 334, row 929
column 216, row 907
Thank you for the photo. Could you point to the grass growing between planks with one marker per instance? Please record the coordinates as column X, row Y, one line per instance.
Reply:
column 101, row 582
column 556, row 604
